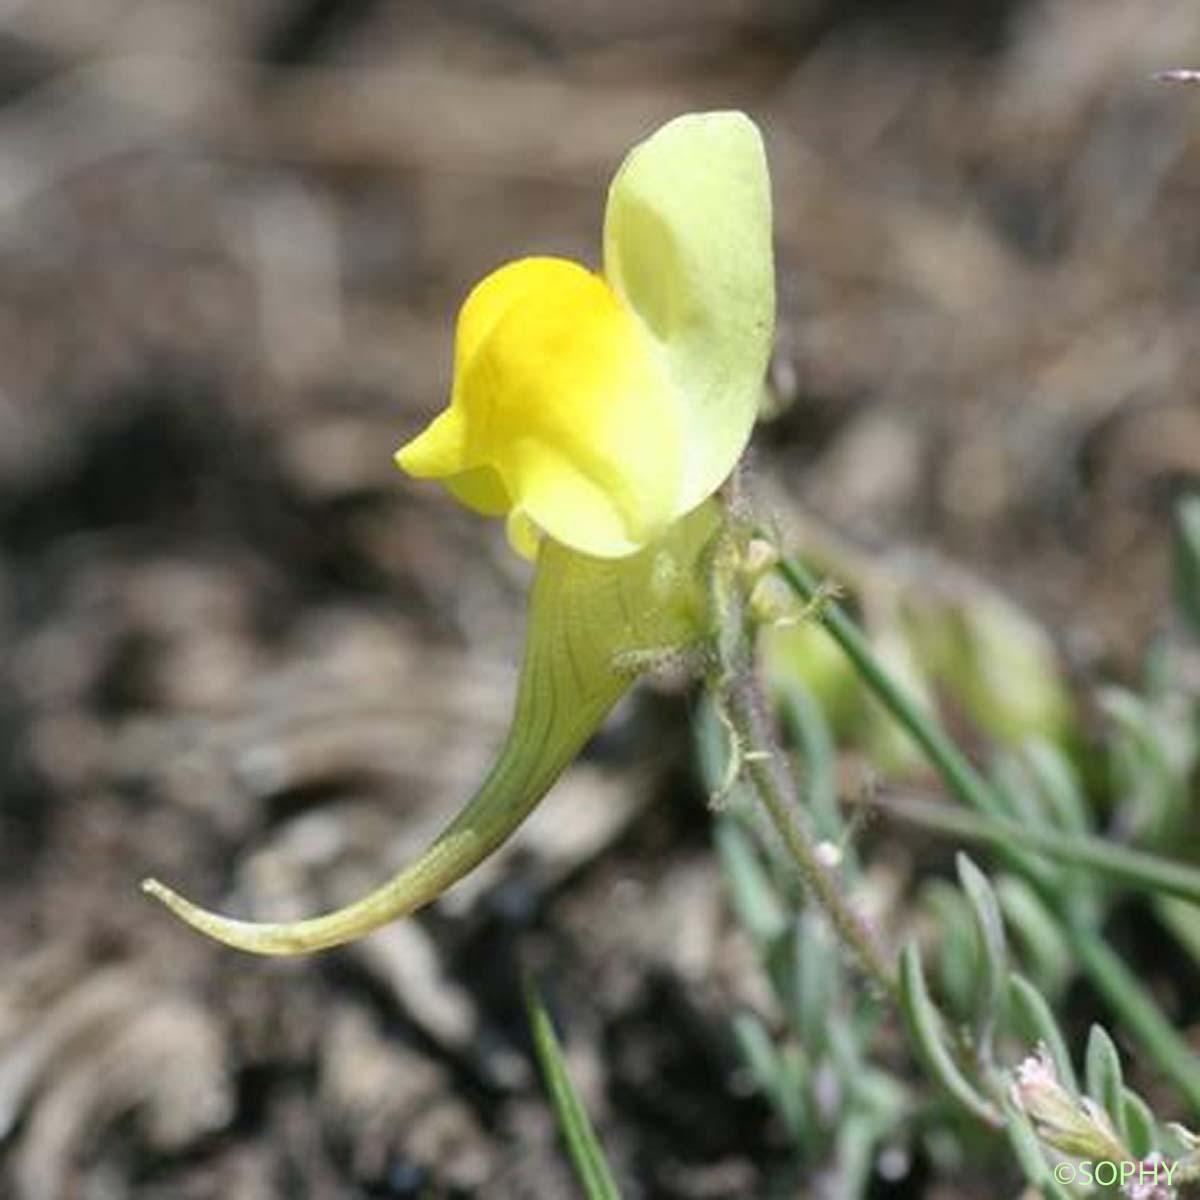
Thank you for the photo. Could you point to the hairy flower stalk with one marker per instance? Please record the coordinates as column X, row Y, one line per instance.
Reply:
column 758, row 755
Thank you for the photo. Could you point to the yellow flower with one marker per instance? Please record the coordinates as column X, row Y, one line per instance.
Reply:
column 599, row 409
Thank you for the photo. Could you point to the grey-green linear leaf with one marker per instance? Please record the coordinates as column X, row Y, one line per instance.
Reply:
column 926, row 1028
column 1140, row 1126
column 1034, row 1018
column 587, row 1156
column 989, row 927
column 805, row 722
column 1186, row 566
column 754, row 900
column 1102, row 1071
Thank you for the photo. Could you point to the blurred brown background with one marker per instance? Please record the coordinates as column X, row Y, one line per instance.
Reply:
column 243, row 653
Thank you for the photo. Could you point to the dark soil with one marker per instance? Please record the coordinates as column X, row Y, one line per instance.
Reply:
column 244, row 654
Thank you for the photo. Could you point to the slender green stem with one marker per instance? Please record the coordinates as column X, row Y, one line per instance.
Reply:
column 766, row 768
column 1110, row 976
column 1134, row 867
column 740, row 699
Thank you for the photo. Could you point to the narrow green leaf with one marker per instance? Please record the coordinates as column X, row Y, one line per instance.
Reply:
column 1042, row 815
column 816, row 979
column 1186, row 565
column 879, row 1094
column 1150, row 872
column 805, row 723
column 1151, row 782
column 926, row 1029
column 754, row 900
column 956, row 954
column 1183, row 920
column 792, row 1097
column 1059, row 785
column 1036, row 933
column 758, row 1051
column 1011, row 785
column 587, row 1156
column 1102, row 1071
column 780, row 1081
column 1035, row 1020
column 854, row 1155
column 993, row 957
column 1140, row 1126
column 1011, row 779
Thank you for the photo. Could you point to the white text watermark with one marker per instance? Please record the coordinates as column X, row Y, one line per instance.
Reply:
column 1106, row 1173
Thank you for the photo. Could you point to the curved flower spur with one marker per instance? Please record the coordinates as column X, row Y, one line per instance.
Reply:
column 598, row 414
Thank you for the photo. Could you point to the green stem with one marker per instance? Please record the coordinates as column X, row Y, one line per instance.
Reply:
column 1110, row 976
column 764, row 764
column 1134, row 867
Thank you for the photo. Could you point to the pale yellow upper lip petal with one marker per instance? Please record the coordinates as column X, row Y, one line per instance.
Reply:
column 557, row 392
column 687, row 247
column 610, row 406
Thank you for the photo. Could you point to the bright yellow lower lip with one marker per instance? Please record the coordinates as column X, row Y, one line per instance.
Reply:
column 559, row 412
